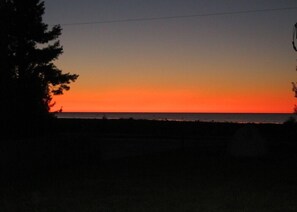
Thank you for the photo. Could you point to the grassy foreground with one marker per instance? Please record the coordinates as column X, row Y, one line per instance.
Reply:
column 65, row 171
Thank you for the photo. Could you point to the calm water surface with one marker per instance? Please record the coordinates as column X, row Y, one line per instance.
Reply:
column 276, row 118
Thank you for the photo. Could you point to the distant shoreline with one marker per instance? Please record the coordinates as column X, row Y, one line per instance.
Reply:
column 275, row 118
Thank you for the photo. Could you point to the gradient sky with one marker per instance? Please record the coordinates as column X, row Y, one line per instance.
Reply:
column 224, row 63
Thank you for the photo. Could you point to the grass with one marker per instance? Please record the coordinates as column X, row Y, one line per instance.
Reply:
column 161, row 182
column 199, row 177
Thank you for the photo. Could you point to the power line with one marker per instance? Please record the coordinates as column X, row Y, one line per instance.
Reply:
column 179, row 16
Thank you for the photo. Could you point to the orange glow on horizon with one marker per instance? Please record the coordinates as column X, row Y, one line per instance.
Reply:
column 156, row 100
column 242, row 65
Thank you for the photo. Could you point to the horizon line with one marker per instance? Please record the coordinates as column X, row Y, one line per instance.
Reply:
column 177, row 112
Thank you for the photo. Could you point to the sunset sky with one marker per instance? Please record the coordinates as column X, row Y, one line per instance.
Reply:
column 236, row 62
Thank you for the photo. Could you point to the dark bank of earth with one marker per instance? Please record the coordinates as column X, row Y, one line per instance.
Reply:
column 71, row 142
column 140, row 165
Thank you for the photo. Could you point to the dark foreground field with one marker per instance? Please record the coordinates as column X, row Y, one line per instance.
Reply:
column 128, row 165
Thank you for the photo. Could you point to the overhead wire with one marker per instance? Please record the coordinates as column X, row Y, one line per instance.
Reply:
column 178, row 16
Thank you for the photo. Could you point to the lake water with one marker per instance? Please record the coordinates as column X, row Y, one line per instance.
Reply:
column 276, row 118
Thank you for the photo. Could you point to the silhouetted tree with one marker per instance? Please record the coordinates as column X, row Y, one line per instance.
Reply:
column 294, row 37
column 295, row 48
column 28, row 76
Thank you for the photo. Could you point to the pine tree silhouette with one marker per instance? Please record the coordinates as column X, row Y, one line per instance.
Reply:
column 28, row 75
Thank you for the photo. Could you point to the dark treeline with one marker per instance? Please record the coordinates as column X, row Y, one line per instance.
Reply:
column 28, row 76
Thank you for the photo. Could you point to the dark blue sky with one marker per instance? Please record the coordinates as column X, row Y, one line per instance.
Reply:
column 88, row 10
column 246, row 56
